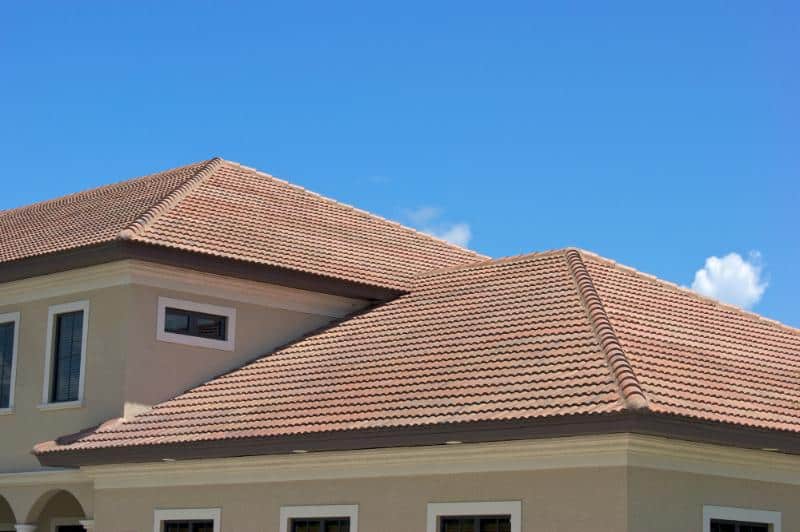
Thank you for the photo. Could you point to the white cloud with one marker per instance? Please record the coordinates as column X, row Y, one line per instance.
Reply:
column 428, row 220
column 732, row 279
column 458, row 234
column 423, row 215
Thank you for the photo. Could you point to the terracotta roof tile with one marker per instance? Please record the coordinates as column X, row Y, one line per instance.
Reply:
column 493, row 341
column 223, row 209
column 537, row 337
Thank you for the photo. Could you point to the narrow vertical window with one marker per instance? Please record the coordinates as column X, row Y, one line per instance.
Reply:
column 67, row 359
column 8, row 359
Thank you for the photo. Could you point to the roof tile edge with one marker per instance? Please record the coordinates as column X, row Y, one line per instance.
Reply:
column 629, row 386
column 140, row 224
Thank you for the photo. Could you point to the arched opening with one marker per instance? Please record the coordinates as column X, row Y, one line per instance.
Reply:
column 7, row 519
column 57, row 511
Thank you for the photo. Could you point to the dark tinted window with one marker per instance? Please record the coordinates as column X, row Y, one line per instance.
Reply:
column 6, row 354
column 494, row 523
column 336, row 524
column 188, row 526
column 67, row 357
column 192, row 323
column 736, row 526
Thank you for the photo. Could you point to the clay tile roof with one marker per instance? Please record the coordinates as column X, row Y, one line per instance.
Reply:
column 553, row 335
column 223, row 209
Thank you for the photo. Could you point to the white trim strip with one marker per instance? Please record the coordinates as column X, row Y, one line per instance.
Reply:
column 742, row 515
column 12, row 317
column 613, row 450
column 513, row 509
column 126, row 272
column 349, row 511
column 187, row 514
column 229, row 344
column 52, row 313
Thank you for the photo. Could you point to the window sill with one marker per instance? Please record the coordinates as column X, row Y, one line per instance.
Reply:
column 6, row 411
column 61, row 406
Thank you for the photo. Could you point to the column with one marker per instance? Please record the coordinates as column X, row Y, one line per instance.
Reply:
column 87, row 524
column 25, row 528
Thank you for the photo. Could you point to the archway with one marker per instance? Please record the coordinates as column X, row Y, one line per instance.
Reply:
column 57, row 511
column 7, row 519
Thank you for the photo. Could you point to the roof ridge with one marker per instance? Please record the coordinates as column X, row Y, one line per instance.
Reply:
column 140, row 224
column 490, row 261
column 753, row 316
column 356, row 209
column 88, row 191
column 630, row 388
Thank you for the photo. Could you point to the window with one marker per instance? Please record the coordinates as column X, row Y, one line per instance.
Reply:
column 191, row 323
column 338, row 524
column 188, row 526
column 475, row 524
column 718, row 525
column 196, row 324
column 187, row 520
column 335, row 518
column 503, row 516
column 65, row 358
column 723, row 519
column 9, row 331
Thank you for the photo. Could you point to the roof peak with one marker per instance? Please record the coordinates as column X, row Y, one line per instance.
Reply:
column 141, row 223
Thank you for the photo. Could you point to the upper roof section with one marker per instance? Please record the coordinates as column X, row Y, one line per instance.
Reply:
column 222, row 209
column 556, row 343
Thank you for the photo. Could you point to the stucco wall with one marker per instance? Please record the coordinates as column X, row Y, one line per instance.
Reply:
column 158, row 370
column 553, row 501
column 127, row 369
column 105, row 355
column 666, row 501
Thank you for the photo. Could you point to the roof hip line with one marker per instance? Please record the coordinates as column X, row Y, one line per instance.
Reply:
column 140, row 224
column 630, row 389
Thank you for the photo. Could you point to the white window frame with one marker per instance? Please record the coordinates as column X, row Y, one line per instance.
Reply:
column 164, row 336
column 743, row 515
column 63, row 521
column 349, row 511
column 12, row 317
column 456, row 509
column 187, row 514
column 52, row 313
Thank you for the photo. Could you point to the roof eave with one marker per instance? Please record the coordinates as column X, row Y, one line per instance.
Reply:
column 116, row 250
column 633, row 422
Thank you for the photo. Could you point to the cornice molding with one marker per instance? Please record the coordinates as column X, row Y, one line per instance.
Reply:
column 43, row 478
column 125, row 272
column 617, row 450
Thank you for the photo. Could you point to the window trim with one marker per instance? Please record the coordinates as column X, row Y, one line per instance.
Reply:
column 52, row 312
column 187, row 514
column 349, row 511
column 744, row 515
column 228, row 312
column 460, row 509
column 12, row 317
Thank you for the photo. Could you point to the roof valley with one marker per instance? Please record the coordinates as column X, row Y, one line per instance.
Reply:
column 630, row 389
column 140, row 224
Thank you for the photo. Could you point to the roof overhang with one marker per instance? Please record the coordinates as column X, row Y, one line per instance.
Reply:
column 631, row 422
column 126, row 249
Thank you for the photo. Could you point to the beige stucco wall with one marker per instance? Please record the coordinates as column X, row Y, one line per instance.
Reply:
column 553, row 501
column 105, row 354
column 158, row 370
column 666, row 501
column 127, row 369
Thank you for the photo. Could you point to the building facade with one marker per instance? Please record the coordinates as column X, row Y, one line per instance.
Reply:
column 210, row 348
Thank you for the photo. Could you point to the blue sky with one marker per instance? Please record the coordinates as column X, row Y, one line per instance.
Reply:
column 657, row 134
